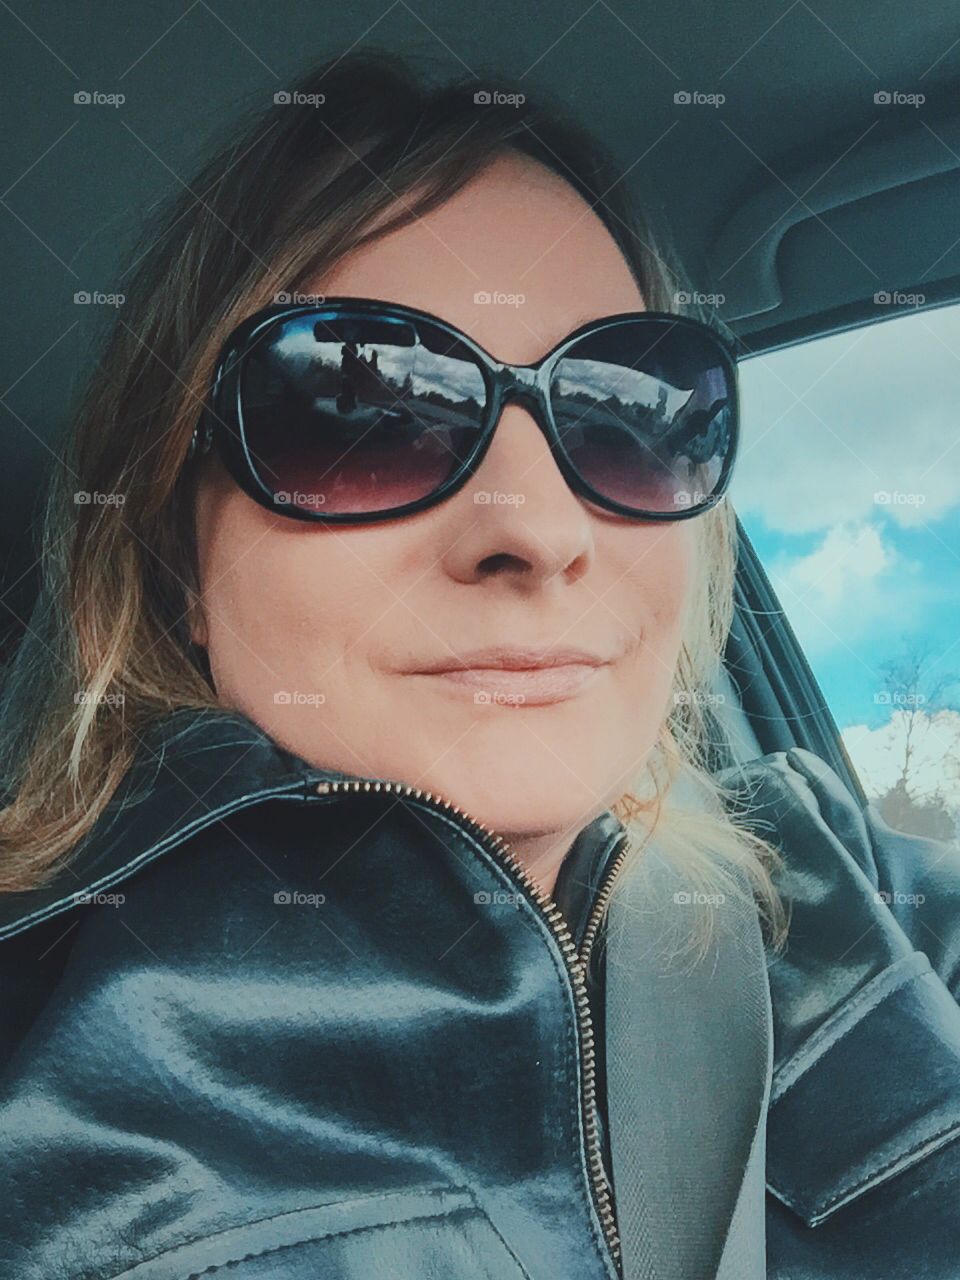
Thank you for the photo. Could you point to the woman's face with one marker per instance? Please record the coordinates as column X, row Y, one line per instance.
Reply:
column 321, row 634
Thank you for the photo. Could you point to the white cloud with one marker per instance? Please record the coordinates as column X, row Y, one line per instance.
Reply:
column 849, row 558
column 839, row 592
column 829, row 424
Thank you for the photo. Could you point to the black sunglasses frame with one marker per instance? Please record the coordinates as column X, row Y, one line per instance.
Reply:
column 220, row 426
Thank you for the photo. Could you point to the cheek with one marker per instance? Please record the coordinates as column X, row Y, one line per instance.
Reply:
column 659, row 579
column 267, row 587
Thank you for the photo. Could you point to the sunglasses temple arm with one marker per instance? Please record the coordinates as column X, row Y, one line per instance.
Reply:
column 201, row 441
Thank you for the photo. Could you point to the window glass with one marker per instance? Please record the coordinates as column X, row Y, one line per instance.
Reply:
column 848, row 485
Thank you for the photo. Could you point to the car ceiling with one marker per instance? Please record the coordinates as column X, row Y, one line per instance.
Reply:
column 797, row 199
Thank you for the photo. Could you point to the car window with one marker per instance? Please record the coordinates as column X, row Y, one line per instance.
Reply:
column 848, row 485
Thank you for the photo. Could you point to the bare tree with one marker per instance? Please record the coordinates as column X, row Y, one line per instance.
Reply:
column 923, row 697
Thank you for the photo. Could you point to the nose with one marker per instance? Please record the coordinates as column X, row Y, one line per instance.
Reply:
column 517, row 517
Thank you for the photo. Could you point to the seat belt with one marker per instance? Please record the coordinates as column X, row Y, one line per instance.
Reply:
column 689, row 1067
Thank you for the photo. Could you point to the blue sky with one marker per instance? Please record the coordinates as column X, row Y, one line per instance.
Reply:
column 848, row 484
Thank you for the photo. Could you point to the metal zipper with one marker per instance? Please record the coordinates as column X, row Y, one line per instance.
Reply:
column 576, row 963
column 602, row 1188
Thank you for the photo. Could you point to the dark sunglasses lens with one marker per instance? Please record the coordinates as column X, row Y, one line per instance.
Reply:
column 646, row 413
column 347, row 414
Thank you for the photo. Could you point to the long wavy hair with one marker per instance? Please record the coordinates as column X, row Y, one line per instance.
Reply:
column 293, row 189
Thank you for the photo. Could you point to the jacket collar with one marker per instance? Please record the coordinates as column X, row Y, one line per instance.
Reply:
column 583, row 869
column 195, row 766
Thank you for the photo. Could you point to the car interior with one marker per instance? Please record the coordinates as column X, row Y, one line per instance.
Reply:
column 803, row 158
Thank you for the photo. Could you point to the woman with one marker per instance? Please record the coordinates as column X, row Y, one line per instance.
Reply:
column 370, row 908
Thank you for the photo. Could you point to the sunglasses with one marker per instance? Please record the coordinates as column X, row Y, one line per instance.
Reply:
column 359, row 410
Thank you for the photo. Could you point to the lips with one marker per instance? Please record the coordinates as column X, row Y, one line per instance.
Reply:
column 514, row 658
column 518, row 677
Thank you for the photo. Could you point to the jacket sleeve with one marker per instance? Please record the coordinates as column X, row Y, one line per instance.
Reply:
column 915, row 878
column 864, row 1119
column 920, row 882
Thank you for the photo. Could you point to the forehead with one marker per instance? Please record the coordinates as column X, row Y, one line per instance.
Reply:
column 517, row 259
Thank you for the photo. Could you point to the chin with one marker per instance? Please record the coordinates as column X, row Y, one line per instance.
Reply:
column 513, row 798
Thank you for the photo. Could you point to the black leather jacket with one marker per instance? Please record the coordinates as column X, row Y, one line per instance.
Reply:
column 270, row 1021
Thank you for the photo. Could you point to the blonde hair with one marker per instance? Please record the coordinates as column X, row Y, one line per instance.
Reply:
column 294, row 189
column 677, row 804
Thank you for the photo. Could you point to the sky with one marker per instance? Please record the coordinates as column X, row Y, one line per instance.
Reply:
column 848, row 485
